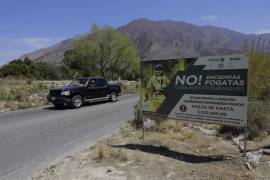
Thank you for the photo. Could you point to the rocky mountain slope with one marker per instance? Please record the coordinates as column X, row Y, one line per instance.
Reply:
column 53, row 54
column 171, row 39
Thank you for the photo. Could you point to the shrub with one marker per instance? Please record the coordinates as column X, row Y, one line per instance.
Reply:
column 26, row 69
column 110, row 153
column 259, row 118
column 137, row 121
column 23, row 95
column 5, row 95
column 259, row 77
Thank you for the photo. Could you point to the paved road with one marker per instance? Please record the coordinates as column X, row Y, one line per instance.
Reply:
column 33, row 139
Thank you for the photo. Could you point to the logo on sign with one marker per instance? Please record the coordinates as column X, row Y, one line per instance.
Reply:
column 183, row 108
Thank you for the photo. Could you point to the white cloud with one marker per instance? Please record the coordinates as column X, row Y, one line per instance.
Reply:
column 209, row 18
column 262, row 31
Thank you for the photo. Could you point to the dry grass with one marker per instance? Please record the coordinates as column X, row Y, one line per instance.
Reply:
column 259, row 119
column 21, row 94
column 169, row 138
column 171, row 126
column 8, row 83
column 105, row 152
column 129, row 87
column 99, row 153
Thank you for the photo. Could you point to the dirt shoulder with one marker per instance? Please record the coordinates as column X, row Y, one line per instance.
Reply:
column 174, row 151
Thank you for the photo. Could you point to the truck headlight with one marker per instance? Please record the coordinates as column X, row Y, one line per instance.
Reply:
column 65, row 93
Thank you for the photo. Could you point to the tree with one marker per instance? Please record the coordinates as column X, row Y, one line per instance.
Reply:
column 77, row 61
column 103, row 52
column 28, row 69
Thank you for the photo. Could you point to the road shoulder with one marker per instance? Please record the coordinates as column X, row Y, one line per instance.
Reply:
column 171, row 152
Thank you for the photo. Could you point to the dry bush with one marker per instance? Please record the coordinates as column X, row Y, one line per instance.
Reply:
column 259, row 77
column 160, row 139
column 22, row 95
column 104, row 152
column 19, row 94
column 113, row 153
column 259, row 118
column 126, row 131
column 156, row 138
column 137, row 121
column 129, row 87
column 99, row 154
column 11, row 105
column 168, row 139
column 171, row 125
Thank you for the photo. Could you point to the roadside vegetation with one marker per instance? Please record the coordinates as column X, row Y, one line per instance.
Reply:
column 259, row 94
column 27, row 69
column 21, row 94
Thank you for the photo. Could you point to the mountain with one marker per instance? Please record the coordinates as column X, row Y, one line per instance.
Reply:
column 53, row 54
column 170, row 39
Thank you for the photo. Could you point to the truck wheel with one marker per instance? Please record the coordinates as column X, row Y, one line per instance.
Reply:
column 113, row 97
column 77, row 101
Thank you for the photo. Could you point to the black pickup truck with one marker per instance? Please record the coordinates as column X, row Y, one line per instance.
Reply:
column 81, row 90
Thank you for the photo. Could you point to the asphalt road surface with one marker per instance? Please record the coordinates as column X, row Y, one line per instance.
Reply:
column 33, row 139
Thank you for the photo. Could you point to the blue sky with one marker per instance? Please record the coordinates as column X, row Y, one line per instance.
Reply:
column 28, row 25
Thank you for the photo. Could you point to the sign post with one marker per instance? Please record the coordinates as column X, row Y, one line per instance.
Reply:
column 141, row 119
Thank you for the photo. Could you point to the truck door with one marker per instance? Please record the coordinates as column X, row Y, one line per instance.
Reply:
column 101, row 85
column 92, row 91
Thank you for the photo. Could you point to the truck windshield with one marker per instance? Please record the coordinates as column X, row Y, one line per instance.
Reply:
column 78, row 82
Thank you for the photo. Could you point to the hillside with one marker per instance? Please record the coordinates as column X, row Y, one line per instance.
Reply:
column 52, row 55
column 170, row 39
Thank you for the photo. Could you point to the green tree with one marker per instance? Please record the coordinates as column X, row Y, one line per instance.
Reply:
column 79, row 62
column 103, row 52
column 27, row 69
